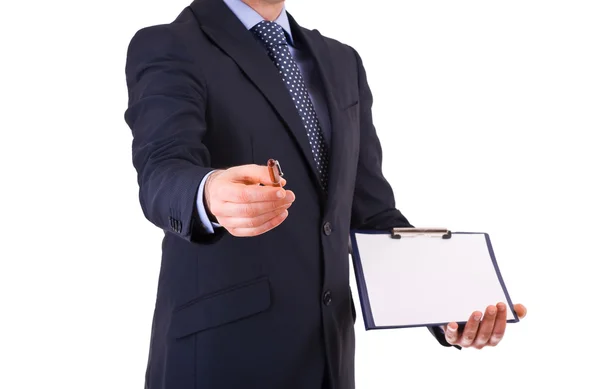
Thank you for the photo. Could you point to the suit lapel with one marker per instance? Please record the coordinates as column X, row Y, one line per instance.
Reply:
column 315, row 43
column 227, row 32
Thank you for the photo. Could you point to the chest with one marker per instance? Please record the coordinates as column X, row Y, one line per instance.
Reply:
column 251, row 114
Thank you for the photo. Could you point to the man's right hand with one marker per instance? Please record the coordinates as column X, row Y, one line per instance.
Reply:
column 242, row 206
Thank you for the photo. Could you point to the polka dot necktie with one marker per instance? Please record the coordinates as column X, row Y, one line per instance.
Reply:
column 273, row 38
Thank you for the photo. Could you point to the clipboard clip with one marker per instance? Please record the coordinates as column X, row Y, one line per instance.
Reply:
column 398, row 233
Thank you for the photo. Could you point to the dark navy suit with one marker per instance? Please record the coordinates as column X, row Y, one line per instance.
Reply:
column 272, row 311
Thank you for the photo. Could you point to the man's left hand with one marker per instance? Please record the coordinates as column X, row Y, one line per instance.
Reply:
column 479, row 333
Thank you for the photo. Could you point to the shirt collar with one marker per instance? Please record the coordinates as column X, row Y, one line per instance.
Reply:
column 251, row 18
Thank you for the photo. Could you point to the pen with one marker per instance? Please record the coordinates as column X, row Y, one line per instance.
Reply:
column 275, row 172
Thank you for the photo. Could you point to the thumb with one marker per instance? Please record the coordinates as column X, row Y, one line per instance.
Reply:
column 250, row 175
column 520, row 310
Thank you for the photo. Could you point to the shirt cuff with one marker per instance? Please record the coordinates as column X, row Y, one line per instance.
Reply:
column 202, row 214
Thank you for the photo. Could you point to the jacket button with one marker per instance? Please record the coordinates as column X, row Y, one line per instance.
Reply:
column 327, row 228
column 327, row 298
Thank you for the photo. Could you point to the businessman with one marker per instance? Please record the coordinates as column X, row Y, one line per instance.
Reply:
column 254, row 282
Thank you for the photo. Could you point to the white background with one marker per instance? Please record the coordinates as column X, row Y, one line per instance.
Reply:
column 488, row 113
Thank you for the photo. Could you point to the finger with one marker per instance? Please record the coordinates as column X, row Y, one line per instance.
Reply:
column 487, row 325
column 269, row 225
column 242, row 194
column 249, row 175
column 250, row 210
column 252, row 222
column 282, row 181
column 499, row 325
column 520, row 310
column 451, row 332
column 470, row 331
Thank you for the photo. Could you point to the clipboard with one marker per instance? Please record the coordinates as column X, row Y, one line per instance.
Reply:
column 422, row 277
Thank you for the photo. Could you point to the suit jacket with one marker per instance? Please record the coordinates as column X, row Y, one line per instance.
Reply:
column 273, row 311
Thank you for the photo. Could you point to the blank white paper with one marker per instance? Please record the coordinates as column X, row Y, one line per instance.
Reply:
column 428, row 280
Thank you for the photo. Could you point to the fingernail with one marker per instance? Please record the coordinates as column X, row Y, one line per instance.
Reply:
column 492, row 311
column 477, row 316
column 501, row 307
column 280, row 194
column 451, row 327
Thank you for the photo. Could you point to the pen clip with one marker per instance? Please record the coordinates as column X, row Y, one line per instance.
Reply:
column 407, row 232
column 275, row 171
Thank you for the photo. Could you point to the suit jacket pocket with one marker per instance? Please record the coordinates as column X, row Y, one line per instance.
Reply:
column 350, row 105
column 221, row 307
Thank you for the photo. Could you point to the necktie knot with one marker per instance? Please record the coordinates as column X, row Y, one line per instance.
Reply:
column 270, row 33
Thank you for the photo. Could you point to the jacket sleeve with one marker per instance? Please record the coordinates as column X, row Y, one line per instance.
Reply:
column 373, row 204
column 166, row 114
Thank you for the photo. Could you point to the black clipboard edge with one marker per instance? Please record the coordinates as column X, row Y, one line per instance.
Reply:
column 500, row 279
column 363, row 294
